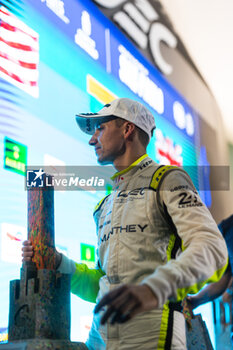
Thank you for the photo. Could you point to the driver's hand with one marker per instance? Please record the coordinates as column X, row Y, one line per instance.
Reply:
column 27, row 251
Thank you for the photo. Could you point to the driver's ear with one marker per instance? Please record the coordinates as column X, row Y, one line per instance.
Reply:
column 129, row 130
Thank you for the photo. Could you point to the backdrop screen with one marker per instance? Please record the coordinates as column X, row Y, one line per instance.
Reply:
column 57, row 59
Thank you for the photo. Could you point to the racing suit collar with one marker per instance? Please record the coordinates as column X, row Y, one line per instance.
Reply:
column 119, row 175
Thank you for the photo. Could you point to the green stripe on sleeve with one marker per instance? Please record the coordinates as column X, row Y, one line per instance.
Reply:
column 85, row 282
column 182, row 292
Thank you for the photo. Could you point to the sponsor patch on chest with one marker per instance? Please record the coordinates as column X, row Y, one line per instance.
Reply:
column 135, row 194
column 123, row 229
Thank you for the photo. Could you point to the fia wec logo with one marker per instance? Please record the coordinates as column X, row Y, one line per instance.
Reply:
column 141, row 22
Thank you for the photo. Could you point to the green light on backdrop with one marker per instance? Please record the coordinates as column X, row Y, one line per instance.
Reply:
column 88, row 254
column 15, row 156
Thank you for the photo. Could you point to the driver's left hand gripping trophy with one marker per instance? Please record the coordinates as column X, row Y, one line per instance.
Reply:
column 39, row 316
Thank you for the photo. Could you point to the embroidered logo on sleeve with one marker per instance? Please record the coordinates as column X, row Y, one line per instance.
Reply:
column 189, row 200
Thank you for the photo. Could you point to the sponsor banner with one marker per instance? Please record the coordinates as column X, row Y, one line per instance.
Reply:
column 79, row 21
column 146, row 23
column 105, row 44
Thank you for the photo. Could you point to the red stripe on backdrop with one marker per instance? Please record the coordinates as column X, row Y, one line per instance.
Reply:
column 20, row 63
column 17, row 78
column 14, row 76
column 171, row 160
column 11, row 28
column 18, row 46
column 28, row 65
column 5, row 12
column 8, row 27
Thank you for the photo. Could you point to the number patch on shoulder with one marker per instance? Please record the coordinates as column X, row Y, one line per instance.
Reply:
column 188, row 200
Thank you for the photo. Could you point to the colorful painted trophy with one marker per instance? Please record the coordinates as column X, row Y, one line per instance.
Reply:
column 39, row 315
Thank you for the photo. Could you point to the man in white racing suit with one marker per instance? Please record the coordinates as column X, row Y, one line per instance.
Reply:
column 157, row 241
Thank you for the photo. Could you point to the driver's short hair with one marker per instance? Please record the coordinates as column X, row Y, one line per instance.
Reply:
column 142, row 135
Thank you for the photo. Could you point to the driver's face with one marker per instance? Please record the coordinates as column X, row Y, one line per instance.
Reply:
column 108, row 140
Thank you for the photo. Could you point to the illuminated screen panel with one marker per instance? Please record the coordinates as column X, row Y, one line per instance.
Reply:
column 61, row 58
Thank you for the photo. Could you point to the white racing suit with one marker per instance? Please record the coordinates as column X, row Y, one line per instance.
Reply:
column 152, row 229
